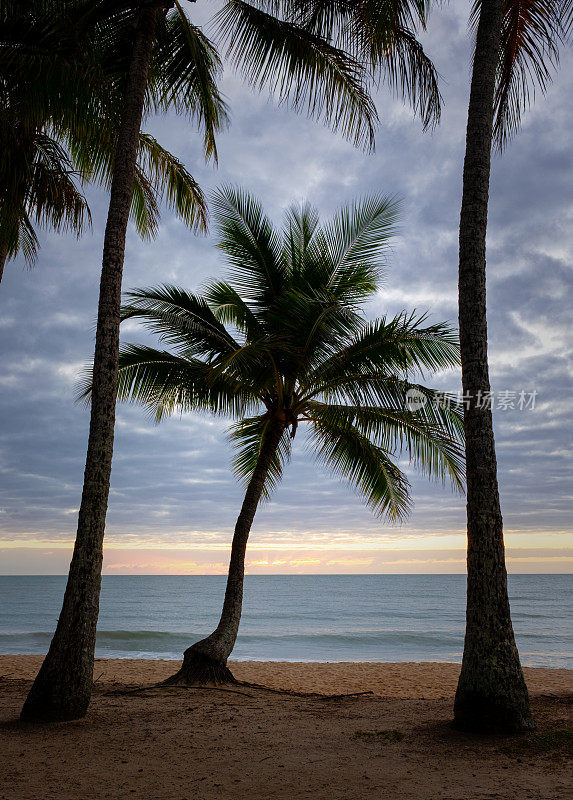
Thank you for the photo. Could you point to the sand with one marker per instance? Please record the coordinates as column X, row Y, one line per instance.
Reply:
column 412, row 680
column 252, row 743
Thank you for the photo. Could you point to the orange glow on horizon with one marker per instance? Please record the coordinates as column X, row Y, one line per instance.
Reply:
column 49, row 559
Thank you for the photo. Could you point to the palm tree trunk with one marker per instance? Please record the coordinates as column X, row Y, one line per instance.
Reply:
column 3, row 257
column 62, row 688
column 491, row 693
column 206, row 661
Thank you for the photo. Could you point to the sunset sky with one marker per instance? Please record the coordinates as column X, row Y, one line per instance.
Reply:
column 174, row 499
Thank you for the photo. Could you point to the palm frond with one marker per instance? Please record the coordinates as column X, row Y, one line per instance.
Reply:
column 567, row 17
column 410, row 73
column 55, row 201
column 144, row 210
column 253, row 363
column 165, row 383
column 251, row 244
column 431, row 447
column 337, row 19
column 353, row 457
column 379, row 34
column 181, row 319
column 529, row 53
column 229, row 307
column 40, row 184
column 315, row 323
column 185, row 72
column 355, row 242
column 300, row 223
column 384, row 348
column 173, row 182
column 302, row 69
column 17, row 233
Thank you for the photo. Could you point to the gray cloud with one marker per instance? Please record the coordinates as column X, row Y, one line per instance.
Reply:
column 174, row 478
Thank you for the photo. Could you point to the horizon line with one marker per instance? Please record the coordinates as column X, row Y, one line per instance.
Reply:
column 257, row 575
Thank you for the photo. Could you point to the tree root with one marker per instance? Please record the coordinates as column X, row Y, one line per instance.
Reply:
column 294, row 693
column 176, row 686
column 199, row 671
column 198, row 668
column 289, row 692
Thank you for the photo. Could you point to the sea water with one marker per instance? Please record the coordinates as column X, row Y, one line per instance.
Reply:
column 294, row 617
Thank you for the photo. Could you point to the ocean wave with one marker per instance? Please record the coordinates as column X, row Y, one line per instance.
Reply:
column 146, row 637
column 300, row 618
column 382, row 634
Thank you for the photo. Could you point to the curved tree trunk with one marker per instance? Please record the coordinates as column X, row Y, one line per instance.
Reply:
column 62, row 688
column 491, row 693
column 3, row 258
column 206, row 660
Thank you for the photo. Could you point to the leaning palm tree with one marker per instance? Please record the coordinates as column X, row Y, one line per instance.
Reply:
column 516, row 46
column 164, row 61
column 284, row 344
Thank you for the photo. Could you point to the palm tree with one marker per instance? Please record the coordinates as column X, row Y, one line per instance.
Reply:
column 186, row 80
column 516, row 48
column 44, row 190
column 516, row 45
column 171, row 64
column 283, row 344
column 36, row 173
column 51, row 147
column 43, row 181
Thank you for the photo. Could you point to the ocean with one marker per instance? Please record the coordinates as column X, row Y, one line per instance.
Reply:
column 294, row 617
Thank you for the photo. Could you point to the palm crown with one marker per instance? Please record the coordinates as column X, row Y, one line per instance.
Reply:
column 284, row 343
column 57, row 138
column 378, row 34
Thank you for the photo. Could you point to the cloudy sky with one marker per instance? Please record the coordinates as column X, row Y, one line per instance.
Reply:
column 174, row 500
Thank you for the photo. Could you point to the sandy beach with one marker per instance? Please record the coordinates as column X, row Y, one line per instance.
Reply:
column 431, row 681
column 206, row 743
